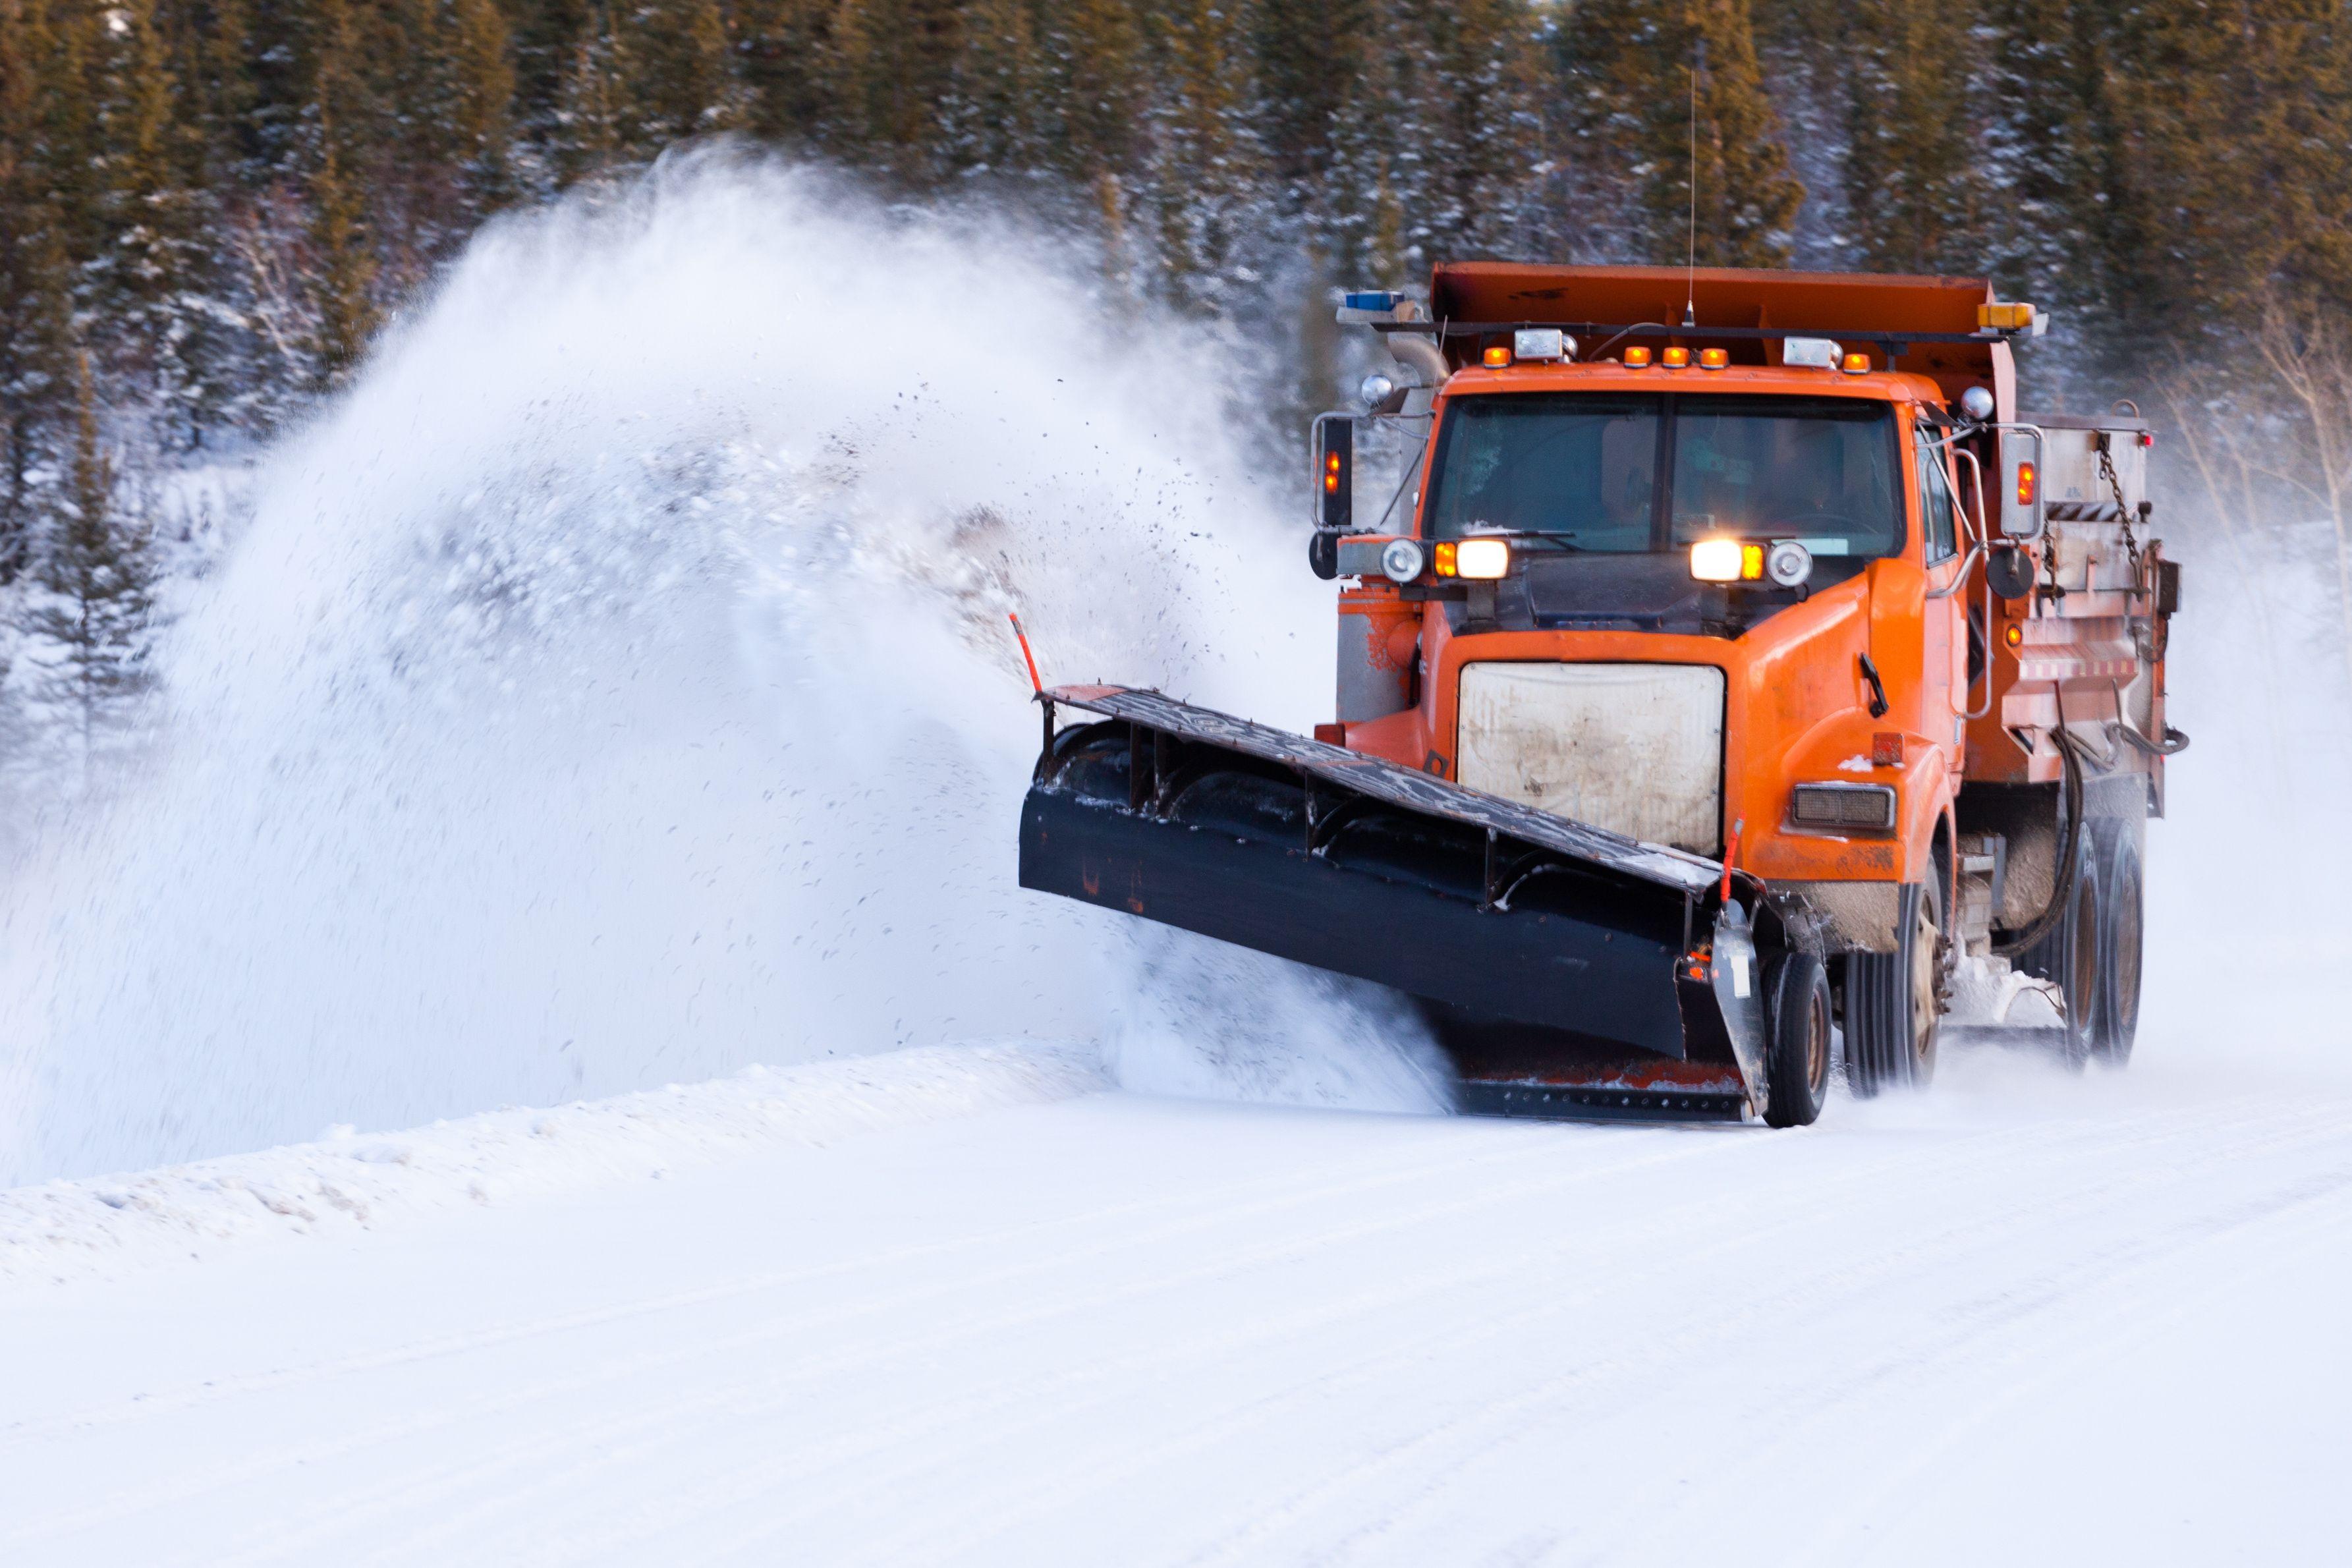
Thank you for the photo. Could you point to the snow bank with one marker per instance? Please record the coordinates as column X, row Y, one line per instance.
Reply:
column 107, row 1224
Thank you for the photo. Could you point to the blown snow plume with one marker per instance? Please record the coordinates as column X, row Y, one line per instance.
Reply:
column 615, row 688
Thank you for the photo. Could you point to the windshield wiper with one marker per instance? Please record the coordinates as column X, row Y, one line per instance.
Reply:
column 1557, row 541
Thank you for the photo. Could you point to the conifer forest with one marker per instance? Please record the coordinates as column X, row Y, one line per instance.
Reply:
column 209, row 207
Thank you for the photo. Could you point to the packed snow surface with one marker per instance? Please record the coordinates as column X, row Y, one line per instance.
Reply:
column 2028, row 1318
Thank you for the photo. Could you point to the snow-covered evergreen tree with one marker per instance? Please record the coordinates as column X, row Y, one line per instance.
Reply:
column 1207, row 173
column 91, row 619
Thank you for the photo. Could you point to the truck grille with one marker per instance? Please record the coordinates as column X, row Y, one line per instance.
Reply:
column 1634, row 748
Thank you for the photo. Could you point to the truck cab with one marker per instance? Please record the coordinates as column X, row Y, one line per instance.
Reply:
column 1732, row 589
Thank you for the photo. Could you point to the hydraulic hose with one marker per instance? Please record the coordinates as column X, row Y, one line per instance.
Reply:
column 2062, row 891
column 2172, row 745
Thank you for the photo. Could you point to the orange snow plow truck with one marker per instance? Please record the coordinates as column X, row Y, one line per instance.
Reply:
column 1731, row 667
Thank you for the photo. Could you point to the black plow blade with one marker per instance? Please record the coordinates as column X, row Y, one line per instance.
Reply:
column 1569, row 971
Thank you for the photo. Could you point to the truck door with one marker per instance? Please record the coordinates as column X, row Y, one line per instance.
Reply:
column 1945, row 636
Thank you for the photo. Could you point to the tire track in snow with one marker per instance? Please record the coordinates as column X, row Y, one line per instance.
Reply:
column 1199, row 1211
column 884, row 1348
column 1658, row 1348
column 1192, row 1216
column 1902, row 1160
column 1521, row 1418
column 2319, row 1205
column 1374, row 1169
column 901, row 1548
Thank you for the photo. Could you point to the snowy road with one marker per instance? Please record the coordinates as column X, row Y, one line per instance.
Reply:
column 2027, row 1319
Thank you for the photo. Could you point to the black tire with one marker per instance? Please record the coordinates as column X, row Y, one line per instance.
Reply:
column 1892, row 1000
column 2070, row 956
column 1797, row 1059
column 2120, row 935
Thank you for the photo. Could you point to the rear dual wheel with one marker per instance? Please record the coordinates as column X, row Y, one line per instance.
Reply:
column 2120, row 940
column 2071, row 957
column 1893, row 999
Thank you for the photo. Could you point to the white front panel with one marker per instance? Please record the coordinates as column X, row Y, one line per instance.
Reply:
column 1635, row 748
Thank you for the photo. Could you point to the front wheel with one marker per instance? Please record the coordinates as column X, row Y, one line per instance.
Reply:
column 1797, row 1059
column 1893, row 999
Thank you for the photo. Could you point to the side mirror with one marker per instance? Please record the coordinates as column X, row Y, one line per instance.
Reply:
column 2023, row 514
column 1335, row 472
column 1323, row 555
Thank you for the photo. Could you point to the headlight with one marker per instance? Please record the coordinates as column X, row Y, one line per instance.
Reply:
column 1715, row 560
column 1843, row 806
column 1402, row 561
column 1484, row 559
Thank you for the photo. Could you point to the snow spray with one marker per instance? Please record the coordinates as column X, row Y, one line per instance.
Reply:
column 615, row 688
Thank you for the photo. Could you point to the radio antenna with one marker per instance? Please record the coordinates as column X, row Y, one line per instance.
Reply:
column 1690, row 258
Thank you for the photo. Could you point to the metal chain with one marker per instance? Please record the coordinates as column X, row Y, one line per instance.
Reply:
column 2131, row 541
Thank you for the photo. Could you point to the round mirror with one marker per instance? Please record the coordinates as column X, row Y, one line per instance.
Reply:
column 1402, row 561
column 1788, row 564
column 1375, row 389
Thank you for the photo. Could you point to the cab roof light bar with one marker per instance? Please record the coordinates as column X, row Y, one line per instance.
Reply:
column 1895, row 344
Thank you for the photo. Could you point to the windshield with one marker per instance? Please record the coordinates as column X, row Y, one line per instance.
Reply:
column 1585, row 470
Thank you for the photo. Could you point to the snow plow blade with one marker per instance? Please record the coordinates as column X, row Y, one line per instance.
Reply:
column 1570, row 970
